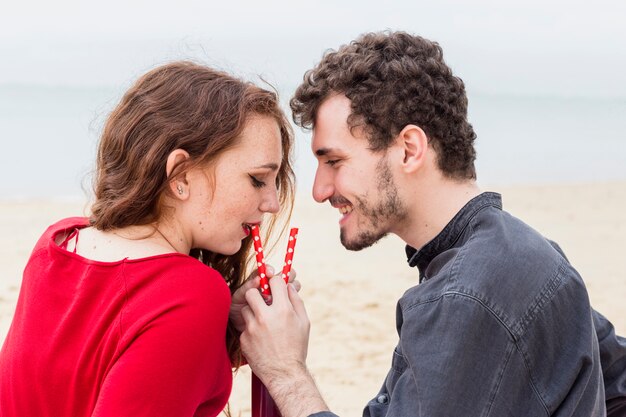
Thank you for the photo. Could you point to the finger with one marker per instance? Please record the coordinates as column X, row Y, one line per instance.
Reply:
column 279, row 291
column 240, row 295
column 269, row 270
column 292, row 275
column 255, row 301
column 247, row 315
column 297, row 303
column 252, row 282
column 297, row 285
column 267, row 298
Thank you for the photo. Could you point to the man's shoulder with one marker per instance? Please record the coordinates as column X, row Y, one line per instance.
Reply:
column 502, row 263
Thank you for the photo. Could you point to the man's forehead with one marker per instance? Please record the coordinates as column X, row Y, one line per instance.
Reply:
column 326, row 142
column 332, row 133
column 333, row 113
column 336, row 142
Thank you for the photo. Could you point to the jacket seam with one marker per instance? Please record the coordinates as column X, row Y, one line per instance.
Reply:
column 500, row 377
column 545, row 295
column 470, row 296
column 532, row 380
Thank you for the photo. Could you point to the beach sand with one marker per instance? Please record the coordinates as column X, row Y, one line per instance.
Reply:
column 351, row 296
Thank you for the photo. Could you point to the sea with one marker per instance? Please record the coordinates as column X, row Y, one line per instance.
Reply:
column 49, row 138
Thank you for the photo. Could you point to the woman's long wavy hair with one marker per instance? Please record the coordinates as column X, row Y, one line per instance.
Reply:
column 181, row 105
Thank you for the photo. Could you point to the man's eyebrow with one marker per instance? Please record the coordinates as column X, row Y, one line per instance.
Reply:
column 271, row 165
column 324, row 151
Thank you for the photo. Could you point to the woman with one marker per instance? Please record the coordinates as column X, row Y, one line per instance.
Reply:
column 129, row 312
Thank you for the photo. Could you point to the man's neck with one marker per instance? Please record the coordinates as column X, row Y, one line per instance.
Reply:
column 433, row 208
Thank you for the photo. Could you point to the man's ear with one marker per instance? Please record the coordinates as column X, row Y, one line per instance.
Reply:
column 413, row 143
column 178, row 183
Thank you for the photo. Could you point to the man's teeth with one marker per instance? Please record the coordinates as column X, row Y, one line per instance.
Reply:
column 345, row 209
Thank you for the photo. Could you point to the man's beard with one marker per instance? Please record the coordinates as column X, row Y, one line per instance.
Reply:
column 389, row 209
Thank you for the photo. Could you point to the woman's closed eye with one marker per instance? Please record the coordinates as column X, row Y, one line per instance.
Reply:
column 256, row 183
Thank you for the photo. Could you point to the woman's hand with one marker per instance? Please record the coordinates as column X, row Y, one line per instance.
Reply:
column 238, row 301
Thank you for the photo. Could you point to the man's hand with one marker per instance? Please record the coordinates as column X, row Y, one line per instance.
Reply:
column 239, row 297
column 275, row 343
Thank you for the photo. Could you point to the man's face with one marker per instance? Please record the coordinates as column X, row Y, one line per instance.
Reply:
column 354, row 179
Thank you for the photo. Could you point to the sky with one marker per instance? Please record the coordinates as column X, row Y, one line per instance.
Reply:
column 541, row 76
column 564, row 48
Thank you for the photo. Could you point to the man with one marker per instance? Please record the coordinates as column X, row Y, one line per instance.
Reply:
column 500, row 323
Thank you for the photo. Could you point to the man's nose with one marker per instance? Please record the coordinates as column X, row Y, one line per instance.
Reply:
column 323, row 187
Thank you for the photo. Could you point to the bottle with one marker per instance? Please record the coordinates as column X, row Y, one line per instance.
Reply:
column 262, row 403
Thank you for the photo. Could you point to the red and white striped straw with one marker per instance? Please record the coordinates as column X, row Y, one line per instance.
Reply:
column 260, row 260
column 291, row 246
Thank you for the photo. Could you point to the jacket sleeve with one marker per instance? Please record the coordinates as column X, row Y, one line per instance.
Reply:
column 613, row 359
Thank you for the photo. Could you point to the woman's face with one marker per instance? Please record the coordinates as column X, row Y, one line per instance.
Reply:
column 224, row 202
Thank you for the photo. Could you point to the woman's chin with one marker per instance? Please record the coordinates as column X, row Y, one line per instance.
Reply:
column 226, row 250
column 230, row 250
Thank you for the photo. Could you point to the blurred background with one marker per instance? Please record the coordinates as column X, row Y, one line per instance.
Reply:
column 544, row 78
column 547, row 98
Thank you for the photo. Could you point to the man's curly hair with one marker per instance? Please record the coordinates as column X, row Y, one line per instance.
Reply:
column 394, row 79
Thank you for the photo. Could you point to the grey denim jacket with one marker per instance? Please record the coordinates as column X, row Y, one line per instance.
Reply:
column 500, row 325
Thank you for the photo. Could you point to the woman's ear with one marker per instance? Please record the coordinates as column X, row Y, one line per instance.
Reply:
column 413, row 143
column 178, row 183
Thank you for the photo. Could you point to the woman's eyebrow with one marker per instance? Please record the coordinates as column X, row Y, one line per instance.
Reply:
column 271, row 165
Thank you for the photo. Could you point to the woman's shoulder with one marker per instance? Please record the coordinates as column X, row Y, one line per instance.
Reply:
column 178, row 273
column 178, row 287
column 67, row 224
column 173, row 264
column 63, row 226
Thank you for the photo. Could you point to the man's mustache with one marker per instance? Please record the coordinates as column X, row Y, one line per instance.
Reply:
column 339, row 201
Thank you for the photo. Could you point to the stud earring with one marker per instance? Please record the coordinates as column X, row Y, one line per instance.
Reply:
column 180, row 189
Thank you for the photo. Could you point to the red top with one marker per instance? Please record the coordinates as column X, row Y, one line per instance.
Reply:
column 137, row 337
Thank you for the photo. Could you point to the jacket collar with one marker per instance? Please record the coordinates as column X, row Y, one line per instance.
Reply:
column 452, row 232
